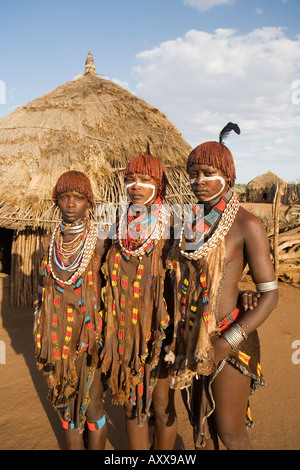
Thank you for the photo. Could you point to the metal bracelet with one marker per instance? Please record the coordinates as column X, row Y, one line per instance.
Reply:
column 233, row 336
column 266, row 286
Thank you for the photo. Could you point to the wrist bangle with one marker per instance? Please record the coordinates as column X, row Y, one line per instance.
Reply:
column 233, row 336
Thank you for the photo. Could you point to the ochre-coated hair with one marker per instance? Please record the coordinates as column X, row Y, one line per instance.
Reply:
column 74, row 181
column 151, row 166
column 215, row 155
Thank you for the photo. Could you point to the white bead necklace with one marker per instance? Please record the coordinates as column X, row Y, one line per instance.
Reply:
column 224, row 225
column 155, row 235
column 88, row 250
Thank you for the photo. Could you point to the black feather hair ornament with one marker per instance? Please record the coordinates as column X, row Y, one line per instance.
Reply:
column 226, row 131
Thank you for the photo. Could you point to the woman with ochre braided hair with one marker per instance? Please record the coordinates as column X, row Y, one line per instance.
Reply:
column 215, row 341
column 68, row 318
column 138, row 314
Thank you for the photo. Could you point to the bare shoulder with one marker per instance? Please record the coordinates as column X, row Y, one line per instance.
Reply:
column 254, row 236
column 256, row 246
column 248, row 223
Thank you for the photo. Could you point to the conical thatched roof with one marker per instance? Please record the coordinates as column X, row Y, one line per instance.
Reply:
column 267, row 180
column 263, row 188
column 89, row 124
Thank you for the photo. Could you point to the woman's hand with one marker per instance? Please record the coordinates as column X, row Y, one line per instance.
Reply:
column 248, row 299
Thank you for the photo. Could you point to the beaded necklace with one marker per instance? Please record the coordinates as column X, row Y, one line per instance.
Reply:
column 214, row 213
column 57, row 258
column 225, row 222
column 69, row 248
column 85, row 252
column 156, row 221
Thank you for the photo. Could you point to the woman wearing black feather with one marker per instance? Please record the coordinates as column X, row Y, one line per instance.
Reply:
column 216, row 344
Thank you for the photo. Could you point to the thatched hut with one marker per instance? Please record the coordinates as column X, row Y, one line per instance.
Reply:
column 263, row 188
column 88, row 124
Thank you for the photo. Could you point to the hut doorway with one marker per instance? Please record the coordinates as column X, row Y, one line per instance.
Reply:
column 6, row 238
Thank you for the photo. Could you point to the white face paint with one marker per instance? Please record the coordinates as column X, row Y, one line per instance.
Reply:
column 144, row 185
column 211, row 178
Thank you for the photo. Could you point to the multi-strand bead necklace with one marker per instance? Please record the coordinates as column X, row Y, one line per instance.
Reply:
column 64, row 249
column 153, row 237
column 83, row 246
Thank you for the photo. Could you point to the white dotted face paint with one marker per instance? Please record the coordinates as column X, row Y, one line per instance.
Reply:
column 143, row 185
column 211, row 178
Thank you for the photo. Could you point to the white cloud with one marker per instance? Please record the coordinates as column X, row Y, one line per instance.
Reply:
column 202, row 81
column 122, row 84
column 205, row 5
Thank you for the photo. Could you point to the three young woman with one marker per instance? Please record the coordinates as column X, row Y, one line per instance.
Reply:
column 129, row 339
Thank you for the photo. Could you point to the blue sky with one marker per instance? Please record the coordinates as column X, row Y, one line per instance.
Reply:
column 202, row 62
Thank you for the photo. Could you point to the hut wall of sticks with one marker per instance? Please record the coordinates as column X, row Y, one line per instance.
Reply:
column 291, row 194
column 285, row 241
column 288, row 253
column 89, row 124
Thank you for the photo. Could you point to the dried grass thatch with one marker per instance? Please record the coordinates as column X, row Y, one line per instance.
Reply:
column 89, row 124
column 263, row 188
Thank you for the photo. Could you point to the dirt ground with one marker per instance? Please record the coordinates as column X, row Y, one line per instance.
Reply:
column 28, row 422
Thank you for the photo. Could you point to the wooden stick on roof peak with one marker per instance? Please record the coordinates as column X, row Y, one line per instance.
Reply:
column 90, row 64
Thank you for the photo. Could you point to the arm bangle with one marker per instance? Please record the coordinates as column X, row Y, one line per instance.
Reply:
column 266, row 286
